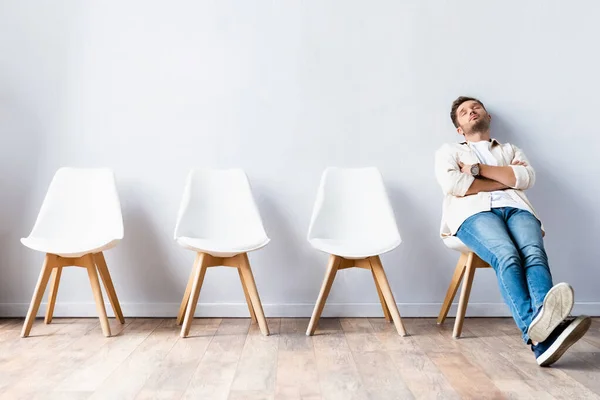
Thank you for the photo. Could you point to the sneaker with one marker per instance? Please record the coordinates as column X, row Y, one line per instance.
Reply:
column 557, row 306
column 564, row 336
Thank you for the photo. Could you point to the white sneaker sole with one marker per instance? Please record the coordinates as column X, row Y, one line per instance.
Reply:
column 569, row 337
column 558, row 304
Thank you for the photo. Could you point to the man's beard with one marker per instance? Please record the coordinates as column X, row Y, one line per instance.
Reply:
column 481, row 125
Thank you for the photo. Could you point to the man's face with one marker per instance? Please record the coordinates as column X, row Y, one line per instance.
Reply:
column 472, row 117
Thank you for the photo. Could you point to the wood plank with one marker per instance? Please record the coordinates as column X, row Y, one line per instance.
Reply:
column 48, row 362
column 556, row 382
column 215, row 372
column 126, row 381
column 338, row 376
column 584, row 371
column 292, row 335
column 329, row 337
column 446, row 352
column 426, row 335
column 489, row 329
column 469, row 381
column 421, row 375
column 380, row 376
column 593, row 334
column 360, row 335
column 18, row 355
column 518, row 389
column 297, row 376
column 171, row 377
column 503, row 339
column 478, row 353
column 92, row 371
column 496, row 367
column 376, row 368
column 28, row 394
column 257, row 368
column 251, row 395
column 582, row 362
column 7, row 324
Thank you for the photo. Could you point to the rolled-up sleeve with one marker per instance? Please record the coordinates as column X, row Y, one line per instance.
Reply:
column 448, row 173
column 524, row 175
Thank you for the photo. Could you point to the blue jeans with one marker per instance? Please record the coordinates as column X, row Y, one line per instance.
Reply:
column 510, row 240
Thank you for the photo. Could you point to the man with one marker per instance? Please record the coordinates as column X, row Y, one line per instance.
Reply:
column 486, row 208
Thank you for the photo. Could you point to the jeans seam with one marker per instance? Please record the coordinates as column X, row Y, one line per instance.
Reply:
column 535, row 301
column 511, row 300
column 503, row 284
column 527, row 277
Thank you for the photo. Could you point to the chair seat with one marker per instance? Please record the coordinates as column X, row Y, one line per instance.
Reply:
column 221, row 248
column 353, row 249
column 454, row 243
column 69, row 247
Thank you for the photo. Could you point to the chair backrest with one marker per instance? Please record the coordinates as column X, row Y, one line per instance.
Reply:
column 218, row 204
column 80, row 203
column 352, row 204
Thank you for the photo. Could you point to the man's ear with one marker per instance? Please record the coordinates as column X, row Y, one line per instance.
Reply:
column 460, row 131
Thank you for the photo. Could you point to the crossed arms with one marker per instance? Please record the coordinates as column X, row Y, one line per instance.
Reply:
column 455, row 179
column 492, row 178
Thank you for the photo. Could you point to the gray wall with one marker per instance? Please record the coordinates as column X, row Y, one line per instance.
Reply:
column 283, row 90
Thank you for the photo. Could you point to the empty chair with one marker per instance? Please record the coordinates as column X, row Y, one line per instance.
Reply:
column 218, row 219
column 79, row 219
column 467, row 262
column 354, row 223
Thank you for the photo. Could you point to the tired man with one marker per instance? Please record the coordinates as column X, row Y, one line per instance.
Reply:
column 485, row 206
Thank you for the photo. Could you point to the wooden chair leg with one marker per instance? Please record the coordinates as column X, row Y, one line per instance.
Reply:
column 54, row 282
column 248, row 282
column 464, row 295
column 381, row 279
column 95, row 283
column 386, row 310
column 38, row 293
column 248, row 300
column 199, row 274
column 332, row 268
column 188, row 290
column 100, row 262
column 454, row 284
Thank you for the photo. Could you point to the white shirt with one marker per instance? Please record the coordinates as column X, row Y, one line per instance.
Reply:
column 457, row 207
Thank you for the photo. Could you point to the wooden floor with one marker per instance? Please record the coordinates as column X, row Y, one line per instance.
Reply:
column 348, row 358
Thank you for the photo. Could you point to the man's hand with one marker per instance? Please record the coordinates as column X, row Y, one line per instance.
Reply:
column 523, row 163
column 465, row 168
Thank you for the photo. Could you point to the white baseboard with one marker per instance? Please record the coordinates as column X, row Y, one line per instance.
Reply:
column 236, row 310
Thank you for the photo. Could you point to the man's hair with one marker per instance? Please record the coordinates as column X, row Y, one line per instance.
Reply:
column 456, row 103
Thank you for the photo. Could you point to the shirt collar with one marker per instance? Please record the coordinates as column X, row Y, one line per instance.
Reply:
column 493, row 140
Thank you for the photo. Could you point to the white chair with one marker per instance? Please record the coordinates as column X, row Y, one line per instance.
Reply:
column 79, row 219
column 219, row 220
column 468, row 262
column 354, row 222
